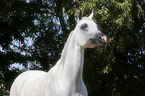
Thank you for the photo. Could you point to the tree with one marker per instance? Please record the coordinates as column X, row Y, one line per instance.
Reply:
column 117, row 69
column 17, row 23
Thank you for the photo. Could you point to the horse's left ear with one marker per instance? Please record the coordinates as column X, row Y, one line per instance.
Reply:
column 91, row 15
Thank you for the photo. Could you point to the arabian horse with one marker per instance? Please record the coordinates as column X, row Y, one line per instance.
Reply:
column 65, row 78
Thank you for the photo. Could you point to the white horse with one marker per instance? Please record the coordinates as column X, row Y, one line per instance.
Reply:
column 65, row 78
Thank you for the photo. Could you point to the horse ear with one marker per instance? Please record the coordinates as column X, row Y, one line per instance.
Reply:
column 91, row 15
column 80, row 14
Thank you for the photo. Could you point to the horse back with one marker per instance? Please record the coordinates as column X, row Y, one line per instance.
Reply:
column 27, row 82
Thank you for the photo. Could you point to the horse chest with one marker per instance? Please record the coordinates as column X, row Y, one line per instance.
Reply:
column 60, row 88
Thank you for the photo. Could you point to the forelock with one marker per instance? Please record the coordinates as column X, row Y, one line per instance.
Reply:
column 86, row 18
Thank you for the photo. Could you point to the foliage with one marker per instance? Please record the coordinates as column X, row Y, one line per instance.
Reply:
column 116, row 70
column 3, row 91
column 122, row 59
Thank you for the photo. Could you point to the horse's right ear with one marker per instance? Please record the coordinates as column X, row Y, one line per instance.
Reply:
column 91, row 15
column 80, row 15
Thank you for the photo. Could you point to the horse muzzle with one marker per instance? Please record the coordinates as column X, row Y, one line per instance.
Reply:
column 100, row 39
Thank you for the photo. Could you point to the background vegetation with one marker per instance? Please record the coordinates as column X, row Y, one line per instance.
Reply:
column 33, row 33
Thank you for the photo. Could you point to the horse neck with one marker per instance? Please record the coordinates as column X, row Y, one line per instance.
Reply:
column 71, row 62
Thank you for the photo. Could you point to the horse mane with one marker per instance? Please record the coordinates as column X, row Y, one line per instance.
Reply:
column 61, row 61
column 64, row 51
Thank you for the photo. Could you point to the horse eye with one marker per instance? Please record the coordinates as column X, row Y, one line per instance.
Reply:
column 84, row 26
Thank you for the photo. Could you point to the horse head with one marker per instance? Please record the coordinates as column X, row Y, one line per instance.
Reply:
column 87, row 33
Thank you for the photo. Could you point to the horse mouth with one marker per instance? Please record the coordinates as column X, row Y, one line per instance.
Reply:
column 104, row 39
column 99, row 40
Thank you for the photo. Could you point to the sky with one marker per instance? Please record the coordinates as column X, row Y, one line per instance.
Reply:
column 29, row 42
column 17, row 44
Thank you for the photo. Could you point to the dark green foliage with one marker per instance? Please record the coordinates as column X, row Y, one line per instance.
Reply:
column 116, row 70
column 123, row 23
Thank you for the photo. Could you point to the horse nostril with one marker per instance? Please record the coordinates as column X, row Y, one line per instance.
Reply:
column 100, row 37
column 104, row 38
